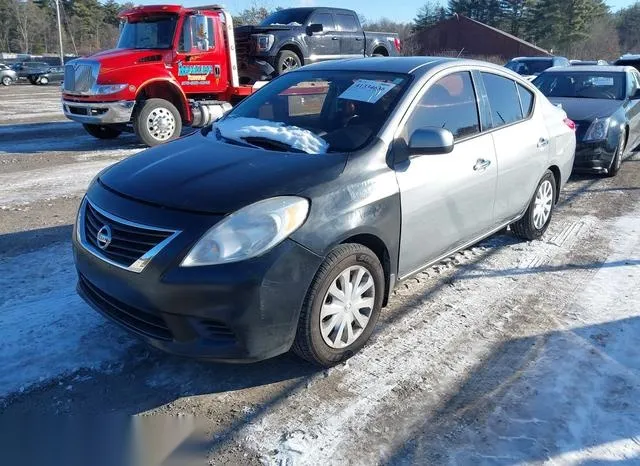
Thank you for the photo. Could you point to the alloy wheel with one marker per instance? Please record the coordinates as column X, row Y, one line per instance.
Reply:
column 6, row 81
column 543, row 204
column 347, row 307
column 161, row 124
column 289, row 64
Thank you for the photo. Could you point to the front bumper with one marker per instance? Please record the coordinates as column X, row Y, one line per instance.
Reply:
column 99, row 113
column 256, row 69
column 246, row 311
column 593, row 157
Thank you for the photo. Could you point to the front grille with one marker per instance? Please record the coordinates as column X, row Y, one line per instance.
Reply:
column 217, row 330
column 79, row 78
column 139, row 321
column 129, row 242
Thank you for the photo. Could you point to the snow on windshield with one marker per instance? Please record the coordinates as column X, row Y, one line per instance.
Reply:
column 294, row 23
column 240, row 128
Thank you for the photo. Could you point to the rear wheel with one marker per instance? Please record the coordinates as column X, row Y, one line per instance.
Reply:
column 287, row 61
column 538, row 216
column 157, row 121
column 102, row 131
column 43, row 80
column 342, row 306
column 6, row 81
column 616, row 163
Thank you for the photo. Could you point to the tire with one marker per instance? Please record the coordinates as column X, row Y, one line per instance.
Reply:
column 6, row 81
column 616, row 163
column 102, row 131
column 286, row 61
column 32, row 80
column 156, row 121
column 43, row 80
column 529, row 226
column 310, row 343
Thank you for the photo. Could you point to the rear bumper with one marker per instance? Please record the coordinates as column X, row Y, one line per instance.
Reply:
column 593, row 157
column 99, row 113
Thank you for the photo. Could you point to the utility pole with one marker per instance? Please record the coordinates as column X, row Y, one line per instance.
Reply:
column 59, row 31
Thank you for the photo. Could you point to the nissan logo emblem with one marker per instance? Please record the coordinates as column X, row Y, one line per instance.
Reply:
column 104, row 237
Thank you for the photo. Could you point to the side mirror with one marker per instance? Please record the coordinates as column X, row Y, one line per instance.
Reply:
column 201, row 33
column 314, row 29
column 429, row 141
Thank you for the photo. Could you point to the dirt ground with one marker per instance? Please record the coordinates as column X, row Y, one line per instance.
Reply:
column 509, row 352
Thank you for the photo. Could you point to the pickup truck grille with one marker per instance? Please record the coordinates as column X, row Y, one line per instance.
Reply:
column 79, row 78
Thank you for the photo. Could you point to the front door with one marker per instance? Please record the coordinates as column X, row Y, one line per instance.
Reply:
column 351, row 35
column 446, row 199
column 200, row 65
column 323, row 45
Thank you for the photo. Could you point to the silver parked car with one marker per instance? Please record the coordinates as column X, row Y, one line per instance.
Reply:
column 7, row 75
column 289, row 222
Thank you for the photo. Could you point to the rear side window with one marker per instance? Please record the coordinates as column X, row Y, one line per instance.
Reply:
column 347, row 23
column 526, row 100
column 450, row 103
column 326, row 19
column 503, row 99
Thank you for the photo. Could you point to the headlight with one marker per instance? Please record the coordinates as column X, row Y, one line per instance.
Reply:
column 104, row 89
column 264, row 42
column 598, row 130
column 249, row 232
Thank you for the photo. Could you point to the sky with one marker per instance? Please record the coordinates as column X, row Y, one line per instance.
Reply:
column 403, row 10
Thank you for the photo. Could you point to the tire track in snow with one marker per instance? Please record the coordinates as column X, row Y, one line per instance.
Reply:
column 401, row 354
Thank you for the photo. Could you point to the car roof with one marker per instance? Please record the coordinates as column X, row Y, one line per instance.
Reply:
column 533, row 58
column 403, row 65
column 589, row 68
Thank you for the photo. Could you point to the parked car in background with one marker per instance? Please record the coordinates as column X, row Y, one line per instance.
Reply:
column 27, row 68
column 604, row 103
column 54, row 74
column 530, row 67
column 628, row 60
column 7, row 75
column 588, row 62
column 289, row 222
column 291, row 38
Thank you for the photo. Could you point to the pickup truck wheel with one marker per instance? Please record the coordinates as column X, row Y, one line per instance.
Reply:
column 342, row 306
column 287, row 61
column 6, row 81
column 538, row 215
column 157, row 121
column 102, row 131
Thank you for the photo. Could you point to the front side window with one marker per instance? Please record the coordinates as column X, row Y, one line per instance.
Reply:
column 197, row 36
column 503, row 99
column 315, row 111
column 450, row 103
column 148, row 32
column 347, row 23
column 326, row 19
column 583, row 84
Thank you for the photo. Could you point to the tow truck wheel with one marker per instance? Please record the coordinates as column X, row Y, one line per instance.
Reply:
column 157, row 121
column 102, row 131
column 287, row 61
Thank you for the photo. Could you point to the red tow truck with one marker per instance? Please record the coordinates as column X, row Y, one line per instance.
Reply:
column 173, row 66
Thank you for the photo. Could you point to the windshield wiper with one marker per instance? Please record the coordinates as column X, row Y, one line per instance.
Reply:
column 272, row 144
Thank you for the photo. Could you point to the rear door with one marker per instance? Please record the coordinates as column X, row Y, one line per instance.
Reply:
column 350, row 34
column 324, row 45
column 521, row 143
column 446, row 199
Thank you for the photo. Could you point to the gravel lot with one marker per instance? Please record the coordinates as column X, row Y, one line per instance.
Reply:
column 506, row 353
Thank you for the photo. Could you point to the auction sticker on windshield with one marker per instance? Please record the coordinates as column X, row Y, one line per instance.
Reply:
column 366, row 90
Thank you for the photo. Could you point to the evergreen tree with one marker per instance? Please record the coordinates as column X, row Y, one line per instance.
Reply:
column 428, row 14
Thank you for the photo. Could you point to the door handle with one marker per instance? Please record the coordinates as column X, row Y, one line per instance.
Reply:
column 542, row 142
column 334, row 38
column 481, row 164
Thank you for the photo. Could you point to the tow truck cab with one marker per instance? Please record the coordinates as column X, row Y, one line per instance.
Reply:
column 173, row 66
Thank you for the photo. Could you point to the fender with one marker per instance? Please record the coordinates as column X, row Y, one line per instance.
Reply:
column 184, row 107
column 302, row 48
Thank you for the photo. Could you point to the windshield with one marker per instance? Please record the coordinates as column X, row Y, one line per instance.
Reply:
column 529, row 67
column 315, row 111
column 149, row 32
column 286, row 17
column 589, row 85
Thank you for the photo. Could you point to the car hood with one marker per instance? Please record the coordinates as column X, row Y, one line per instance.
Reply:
column 198, row 173
column 246, row 30
column 118, row 58
column 586, row 109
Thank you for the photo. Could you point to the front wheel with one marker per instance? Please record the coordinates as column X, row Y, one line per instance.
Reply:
column 616, row 163
column 43, row 80
column 157, row 121
column 102, row 131
column 287, row 61
column 538, row 215
column 342, row 306
column 6, row 81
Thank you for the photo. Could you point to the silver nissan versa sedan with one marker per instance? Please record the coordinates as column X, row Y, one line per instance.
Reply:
column 289, row 222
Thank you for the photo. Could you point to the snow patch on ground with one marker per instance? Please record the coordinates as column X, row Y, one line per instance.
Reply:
column 240, row 127
column 48, row 183
column 46, row 330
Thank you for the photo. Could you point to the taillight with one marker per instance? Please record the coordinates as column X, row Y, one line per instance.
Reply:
column 570, row 123
column 397, row 44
